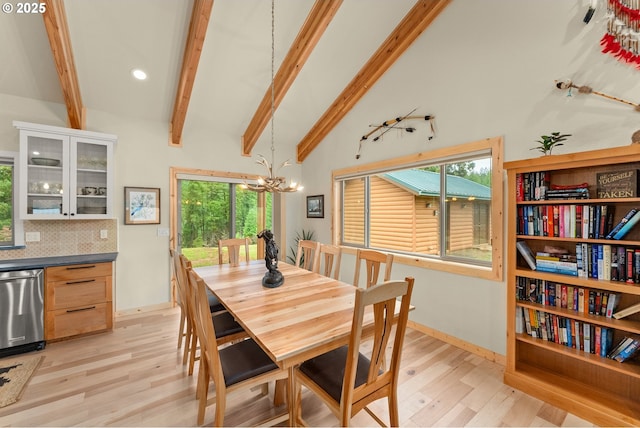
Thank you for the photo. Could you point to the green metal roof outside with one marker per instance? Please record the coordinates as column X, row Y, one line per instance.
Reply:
column 427, row 183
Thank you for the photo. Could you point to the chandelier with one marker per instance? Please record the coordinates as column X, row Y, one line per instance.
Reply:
column 272, row 183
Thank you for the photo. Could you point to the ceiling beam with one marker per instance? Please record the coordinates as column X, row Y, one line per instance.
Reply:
column 314, row 26
column 193, row 48
column 55, row 22
column 407, row 31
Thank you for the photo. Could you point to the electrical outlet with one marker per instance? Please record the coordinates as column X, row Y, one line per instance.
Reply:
column 32, row 236
column 104, row 234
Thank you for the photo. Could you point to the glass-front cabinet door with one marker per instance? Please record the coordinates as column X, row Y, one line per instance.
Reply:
column 65, row 174
column 44, row 167
column 90, row 178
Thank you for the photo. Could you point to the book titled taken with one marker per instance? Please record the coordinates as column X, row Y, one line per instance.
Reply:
column 627, row 226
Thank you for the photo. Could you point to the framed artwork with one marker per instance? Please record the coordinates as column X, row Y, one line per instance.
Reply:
column 315, row 206
column 141, row 205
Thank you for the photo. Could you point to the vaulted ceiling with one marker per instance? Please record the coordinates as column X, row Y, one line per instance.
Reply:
column 209, row 62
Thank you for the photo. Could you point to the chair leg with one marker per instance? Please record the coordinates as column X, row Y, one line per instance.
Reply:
column 192, row 357
column 181, row 333
column 393, row 409
column 187, row 343
column 279, row 392
column 221, row 404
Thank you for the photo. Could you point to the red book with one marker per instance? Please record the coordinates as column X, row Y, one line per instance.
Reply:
column 578, row 221
column 564, row 297
column 629, row 259
column 519, row 188
column 556, row 220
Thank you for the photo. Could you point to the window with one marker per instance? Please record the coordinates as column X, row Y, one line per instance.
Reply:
column 435, row 207
column 11, row 233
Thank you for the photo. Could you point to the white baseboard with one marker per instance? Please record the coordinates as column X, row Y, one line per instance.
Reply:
column 143, row 309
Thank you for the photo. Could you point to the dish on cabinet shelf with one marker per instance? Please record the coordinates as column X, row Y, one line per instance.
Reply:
column 45, row 161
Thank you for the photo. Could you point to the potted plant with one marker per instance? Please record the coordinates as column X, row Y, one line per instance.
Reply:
column 548, row 142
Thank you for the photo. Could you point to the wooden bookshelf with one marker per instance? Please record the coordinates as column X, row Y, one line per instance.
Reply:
column 591, row 386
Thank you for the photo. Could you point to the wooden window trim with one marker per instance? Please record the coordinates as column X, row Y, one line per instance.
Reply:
column 495, row 145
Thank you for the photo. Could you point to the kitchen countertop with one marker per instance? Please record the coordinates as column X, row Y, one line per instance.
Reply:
column 43, row 262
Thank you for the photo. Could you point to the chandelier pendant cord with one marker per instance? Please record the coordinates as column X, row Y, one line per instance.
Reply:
column 273, row 99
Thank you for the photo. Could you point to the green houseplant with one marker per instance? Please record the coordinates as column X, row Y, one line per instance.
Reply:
column 548, row 142
column 308, row 235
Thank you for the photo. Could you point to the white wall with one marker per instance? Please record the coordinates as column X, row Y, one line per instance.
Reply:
column 483, row 68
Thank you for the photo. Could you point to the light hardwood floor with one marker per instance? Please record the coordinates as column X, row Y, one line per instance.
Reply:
column 133, row 376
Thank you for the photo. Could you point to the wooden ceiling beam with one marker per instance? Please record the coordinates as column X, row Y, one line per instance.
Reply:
column 193, row 48
column 310, row 33
column 55, row 22
column 407, row 31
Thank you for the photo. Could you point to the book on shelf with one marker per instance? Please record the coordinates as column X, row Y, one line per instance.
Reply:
column 622, row 344
column 612, row 304
column 626, row 228
column 622, row 222
column 628, row 352
column 627, row 311
column 526, row 253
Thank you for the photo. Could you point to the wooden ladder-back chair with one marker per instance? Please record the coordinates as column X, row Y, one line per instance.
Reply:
column 373, row 259
column 346, row 380
column 240, row 365
column 308, row 254
column 181, row 302
column 227, row 327
column 233, row 246
column 329, row 261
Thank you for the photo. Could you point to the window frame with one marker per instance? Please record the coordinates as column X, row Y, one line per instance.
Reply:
column 18, row 240
column 492, row 147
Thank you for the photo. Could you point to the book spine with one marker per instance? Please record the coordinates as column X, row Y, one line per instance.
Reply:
column 627, row 226
column 622, row 222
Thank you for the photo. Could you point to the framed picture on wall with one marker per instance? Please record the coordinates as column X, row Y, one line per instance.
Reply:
column 141, row 205
column 315, row 206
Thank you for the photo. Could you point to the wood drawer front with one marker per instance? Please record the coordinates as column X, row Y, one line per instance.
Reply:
column 77, row 293
column 73, row 272
column 70, row 322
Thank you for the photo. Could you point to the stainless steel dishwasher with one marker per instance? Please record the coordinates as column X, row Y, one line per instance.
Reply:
column 21, row 311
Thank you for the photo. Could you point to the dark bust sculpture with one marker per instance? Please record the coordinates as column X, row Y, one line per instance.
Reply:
column 273, row 278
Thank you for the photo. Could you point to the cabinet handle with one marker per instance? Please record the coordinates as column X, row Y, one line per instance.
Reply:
column 81, row 281
column 81, row 267
column 81, row 309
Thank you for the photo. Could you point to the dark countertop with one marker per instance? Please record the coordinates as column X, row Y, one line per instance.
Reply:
column 42, row 262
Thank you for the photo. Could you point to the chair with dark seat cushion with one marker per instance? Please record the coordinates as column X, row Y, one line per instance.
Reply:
column 240, row 365
column 228, row 329
column 348, row 381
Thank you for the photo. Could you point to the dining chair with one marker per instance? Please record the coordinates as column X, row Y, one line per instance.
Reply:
column 228, row 328
column 180, row 301
column 239, row 365
column 345, row 379
column 233, row 246
column 373, row 260
column 307, row 254
column 329, row 261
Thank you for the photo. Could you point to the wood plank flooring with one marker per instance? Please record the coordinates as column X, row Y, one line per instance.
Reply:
column 133, row 376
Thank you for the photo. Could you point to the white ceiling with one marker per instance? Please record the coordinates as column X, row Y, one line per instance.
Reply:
column 111, row 37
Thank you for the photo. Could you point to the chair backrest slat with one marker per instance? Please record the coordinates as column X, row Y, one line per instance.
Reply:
column 307, row 256
column 233, row 246
column 329, row 261
column 373, row 259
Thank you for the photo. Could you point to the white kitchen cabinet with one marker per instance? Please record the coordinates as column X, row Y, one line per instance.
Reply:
column 65, row 173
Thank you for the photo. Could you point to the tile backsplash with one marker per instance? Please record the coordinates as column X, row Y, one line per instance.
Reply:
column 67, row 238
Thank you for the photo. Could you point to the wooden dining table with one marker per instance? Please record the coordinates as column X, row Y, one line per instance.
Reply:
column 307, row 315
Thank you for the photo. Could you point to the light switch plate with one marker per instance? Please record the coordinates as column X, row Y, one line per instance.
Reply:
column 163, row 231
column 104, row 234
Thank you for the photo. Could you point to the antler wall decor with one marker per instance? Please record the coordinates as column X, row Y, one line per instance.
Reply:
column 568, row 84
column 388, row 125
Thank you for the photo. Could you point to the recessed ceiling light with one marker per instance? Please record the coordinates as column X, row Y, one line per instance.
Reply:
column 139, row 74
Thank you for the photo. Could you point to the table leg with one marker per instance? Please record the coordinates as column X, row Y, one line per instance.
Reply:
column 279, row 393
column 291, row 398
